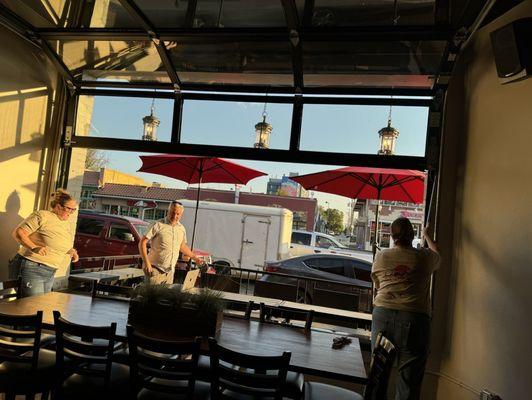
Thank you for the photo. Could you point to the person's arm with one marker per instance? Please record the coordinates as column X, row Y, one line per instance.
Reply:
column 432, row 245
column 143, row 250
column 189, row 253
column 23, row 238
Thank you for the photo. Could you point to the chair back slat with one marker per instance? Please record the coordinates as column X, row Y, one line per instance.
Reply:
column 247, row 377
column 88, row 349
column 382, row 359
column 10, row 290
column 103, row 290
column 16, row 327
column 161, row 365
column 244, row 374
column 272, row 314
column 16, row 333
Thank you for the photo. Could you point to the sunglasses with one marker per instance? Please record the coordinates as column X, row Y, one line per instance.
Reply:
column 177, row 202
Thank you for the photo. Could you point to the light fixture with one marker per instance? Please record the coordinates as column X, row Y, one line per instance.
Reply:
column 150, row 124
column 388, row 136
column 263, row 131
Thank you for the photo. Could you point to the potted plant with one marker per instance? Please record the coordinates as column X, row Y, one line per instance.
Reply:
column 169, row 313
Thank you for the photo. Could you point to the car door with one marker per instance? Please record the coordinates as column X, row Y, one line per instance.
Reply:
column 300, row 244
column 330, row 294
column 119, row 240
column 323, row 244
column 328, row 268
column 88, row 240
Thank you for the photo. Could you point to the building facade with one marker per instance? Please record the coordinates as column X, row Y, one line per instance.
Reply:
column 151, row 202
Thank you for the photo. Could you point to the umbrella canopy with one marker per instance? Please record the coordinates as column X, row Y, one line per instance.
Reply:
column 368, row 183
column 198, row 169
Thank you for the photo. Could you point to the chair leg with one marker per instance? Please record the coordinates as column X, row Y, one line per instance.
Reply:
column 30, row 396
column 10, row 396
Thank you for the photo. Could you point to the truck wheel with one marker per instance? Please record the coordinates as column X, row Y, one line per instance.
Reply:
column 303, row 297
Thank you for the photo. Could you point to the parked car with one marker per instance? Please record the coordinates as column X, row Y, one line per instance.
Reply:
column 336, row 269
column 308, row 242
column 104, row 235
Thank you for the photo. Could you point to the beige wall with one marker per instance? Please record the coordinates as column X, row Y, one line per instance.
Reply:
column 483, row 324
column 27, row 117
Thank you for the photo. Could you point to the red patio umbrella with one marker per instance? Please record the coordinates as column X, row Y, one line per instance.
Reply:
column 368, row 183
column 198, row 169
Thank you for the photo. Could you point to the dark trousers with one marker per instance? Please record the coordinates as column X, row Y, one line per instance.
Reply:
column 409, row 332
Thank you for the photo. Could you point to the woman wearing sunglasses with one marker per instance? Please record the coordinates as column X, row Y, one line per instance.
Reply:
column 46, row 237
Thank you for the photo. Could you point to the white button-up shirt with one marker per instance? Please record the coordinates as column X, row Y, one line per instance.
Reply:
column 165, row 240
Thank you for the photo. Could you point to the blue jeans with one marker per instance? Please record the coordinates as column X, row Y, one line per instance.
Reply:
column 37, row 278
column 409, row 332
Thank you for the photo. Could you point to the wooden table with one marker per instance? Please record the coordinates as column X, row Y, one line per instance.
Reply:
column 311, row 352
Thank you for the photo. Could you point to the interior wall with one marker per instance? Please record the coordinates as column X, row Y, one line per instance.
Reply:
column 27, row 114
column 482, row 321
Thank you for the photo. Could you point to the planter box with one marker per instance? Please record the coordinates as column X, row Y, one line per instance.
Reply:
column 164, row 321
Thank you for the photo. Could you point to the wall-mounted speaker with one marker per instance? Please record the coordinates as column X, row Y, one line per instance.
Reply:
column 512, row 49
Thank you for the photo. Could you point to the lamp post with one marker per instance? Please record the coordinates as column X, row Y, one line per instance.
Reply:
column 150, row 123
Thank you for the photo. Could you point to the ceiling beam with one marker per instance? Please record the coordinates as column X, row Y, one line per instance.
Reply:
column 195, row 35
column 245, row 153
column 137, row 13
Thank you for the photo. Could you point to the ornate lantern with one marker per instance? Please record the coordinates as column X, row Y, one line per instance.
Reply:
column 150, row 122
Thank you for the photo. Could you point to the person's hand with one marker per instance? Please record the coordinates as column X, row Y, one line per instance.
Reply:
column 74, row 255
column 40, row 250
column 148, row 269
column 425, row 231
column 197, row 260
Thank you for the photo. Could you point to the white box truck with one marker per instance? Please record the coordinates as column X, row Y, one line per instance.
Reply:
column 239, row 235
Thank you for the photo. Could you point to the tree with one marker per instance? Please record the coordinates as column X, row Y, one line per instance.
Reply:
column 333, row 218
column 96, row 159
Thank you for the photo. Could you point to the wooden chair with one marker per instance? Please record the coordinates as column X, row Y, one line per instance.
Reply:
column 272, row 314
column 381, row 364
column 102, row 290
column 164, row 369
column 10, row 290
column 25, row 367
column 84, row 361
column 242, row 376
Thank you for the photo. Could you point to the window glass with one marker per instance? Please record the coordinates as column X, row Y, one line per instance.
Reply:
column 301, row 238
column 90, row 226
column 329, row 265
column 360, row 270
column 119, row 231
column 141, row 229
column 324, row 242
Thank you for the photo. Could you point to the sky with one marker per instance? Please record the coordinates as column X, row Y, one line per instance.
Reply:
column 331, row 128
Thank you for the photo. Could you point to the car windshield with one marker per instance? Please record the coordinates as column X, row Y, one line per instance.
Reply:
column 141, row 229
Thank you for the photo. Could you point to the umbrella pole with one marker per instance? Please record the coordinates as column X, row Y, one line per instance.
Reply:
column 197, row 206
column 376, row 239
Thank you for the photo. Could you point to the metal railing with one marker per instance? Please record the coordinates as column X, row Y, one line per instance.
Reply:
column 276, row 285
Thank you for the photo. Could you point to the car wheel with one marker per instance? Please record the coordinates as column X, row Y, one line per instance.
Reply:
column 303, row 297
column 222, row 267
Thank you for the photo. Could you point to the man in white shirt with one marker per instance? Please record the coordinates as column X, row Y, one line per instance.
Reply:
column 167, row 238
